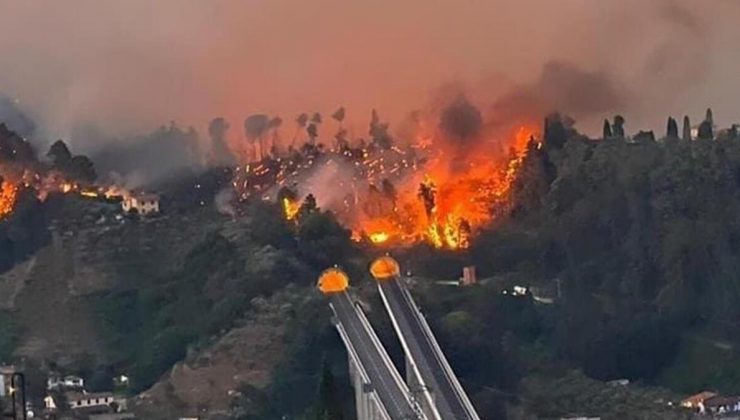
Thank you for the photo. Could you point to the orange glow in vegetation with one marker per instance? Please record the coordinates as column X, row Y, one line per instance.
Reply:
column 291, row 208
column 430, row 188
column 8, row 198
column 450, row 198
column 378, row 237
column 333, row 280
column 385, row 268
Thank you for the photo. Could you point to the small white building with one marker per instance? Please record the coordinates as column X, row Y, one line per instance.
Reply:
column 77, row 400
column 141, row 203
column 68, row 382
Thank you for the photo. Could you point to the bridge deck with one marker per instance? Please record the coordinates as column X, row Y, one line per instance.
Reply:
column 391, row 393
column 421, row 347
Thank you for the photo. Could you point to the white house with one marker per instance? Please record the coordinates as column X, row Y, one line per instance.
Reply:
column 68, row 382
column 78, row 400
column 142, row 203
column 720, row 405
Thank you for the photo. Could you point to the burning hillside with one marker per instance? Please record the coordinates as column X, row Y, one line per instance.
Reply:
column 439, row 186
column 65, row 173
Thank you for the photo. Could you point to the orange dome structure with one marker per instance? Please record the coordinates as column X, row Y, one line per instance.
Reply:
column 333, row 280
column 385, row 268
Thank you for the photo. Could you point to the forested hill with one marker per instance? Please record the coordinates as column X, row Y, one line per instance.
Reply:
column 642, row 235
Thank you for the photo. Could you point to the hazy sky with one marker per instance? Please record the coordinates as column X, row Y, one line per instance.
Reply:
column 130, row 65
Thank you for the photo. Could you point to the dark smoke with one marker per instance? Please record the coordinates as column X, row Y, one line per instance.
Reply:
column 562, row 87
column 461, row 120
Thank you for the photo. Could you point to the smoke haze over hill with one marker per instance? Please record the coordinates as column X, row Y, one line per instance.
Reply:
column 127, row 67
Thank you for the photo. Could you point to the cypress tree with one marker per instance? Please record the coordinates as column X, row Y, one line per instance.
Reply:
column 709, row 117
column 607, row 129
column 686, row 128
column 672, row 128
column 618, row 127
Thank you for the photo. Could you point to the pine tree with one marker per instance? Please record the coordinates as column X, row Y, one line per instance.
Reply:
column 672, row 128
column 709, row 117
column 607, row 129
column 686, row 128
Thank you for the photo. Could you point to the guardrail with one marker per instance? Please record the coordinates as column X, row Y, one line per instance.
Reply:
column 460, row 394
column 416, row 372
column 388, row 362
column 358, row 364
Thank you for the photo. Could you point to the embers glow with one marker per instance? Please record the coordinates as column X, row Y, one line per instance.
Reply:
column 433, row 190
column 450, row 201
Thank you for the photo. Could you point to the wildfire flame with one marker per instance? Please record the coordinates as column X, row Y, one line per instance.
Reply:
column 433, row 189
column 291, row 208
column 8, row 198
column 448, row 204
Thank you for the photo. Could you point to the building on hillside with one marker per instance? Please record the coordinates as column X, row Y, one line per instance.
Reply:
column 695, row 401
column 80, row 400
column 69, row 382
column 141, row 203
column 720, row 405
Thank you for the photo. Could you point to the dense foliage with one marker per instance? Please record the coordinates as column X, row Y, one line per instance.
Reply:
column 151, row 323
column 639, row 241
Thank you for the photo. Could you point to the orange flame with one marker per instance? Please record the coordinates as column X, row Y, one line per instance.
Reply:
column 291, row 208
column 8, row 198
column 452, row 199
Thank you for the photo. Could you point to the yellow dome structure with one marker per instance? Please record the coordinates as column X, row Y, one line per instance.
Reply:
column 385, row 268
column 333, row 280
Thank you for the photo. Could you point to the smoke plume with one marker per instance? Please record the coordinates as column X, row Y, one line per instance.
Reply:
column 82, row 67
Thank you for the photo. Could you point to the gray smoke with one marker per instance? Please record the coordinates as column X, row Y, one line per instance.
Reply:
column 461, row 120
column 126, row 67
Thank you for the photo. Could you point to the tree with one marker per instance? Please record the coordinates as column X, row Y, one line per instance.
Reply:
column 316, row 118
column 339, row 115
column 705, row 131
column 59, row 153
column 607, row 129
column 619, row 126
column 555, row 133
column 220, row 153
column 644, row 136
column 308, row 206
column 81, row 168
column 672, row 128
column 313, row 132
column 301, row 121
column 274, row 125
column 255, row 126
column 379, row 132
column 709, row 117
column 329, row 403
column 341, row 135
column 686, row 128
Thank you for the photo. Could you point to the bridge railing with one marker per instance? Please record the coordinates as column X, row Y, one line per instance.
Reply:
column 358, row 365
column 429, row 335
column 387, row 360
column 426, row 395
